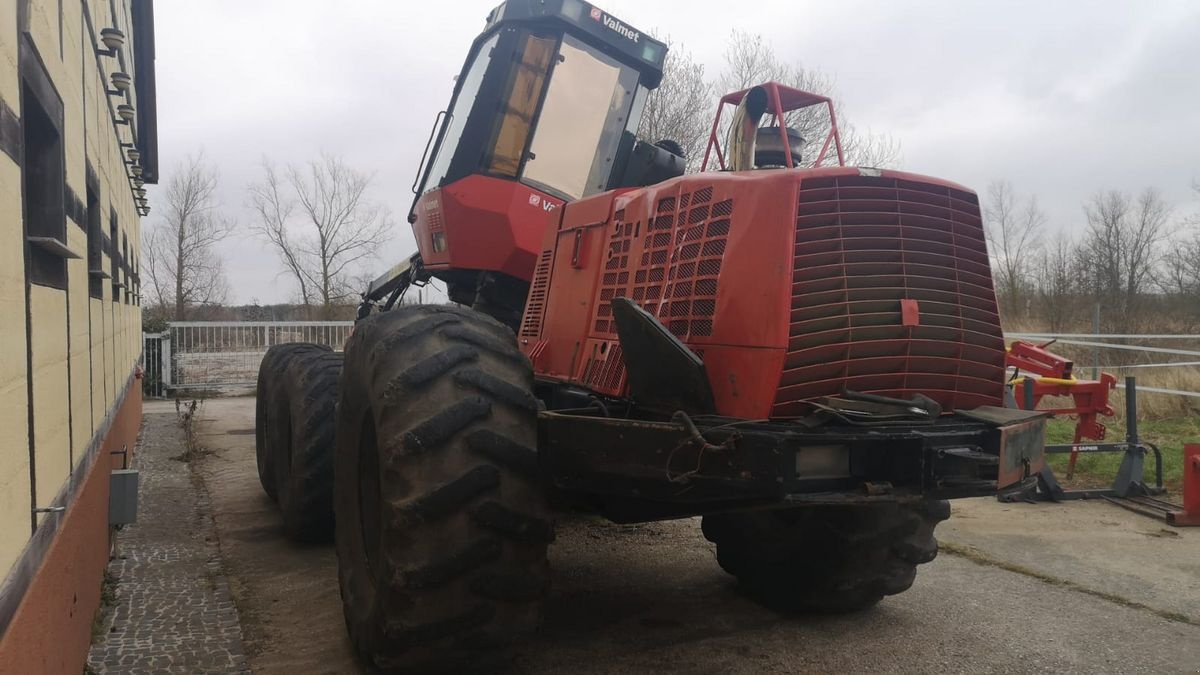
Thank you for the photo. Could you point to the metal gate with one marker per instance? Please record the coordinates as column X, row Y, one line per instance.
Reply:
column 223, row 356
column 157, row 356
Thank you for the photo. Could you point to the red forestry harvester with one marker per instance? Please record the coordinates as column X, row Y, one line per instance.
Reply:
column 807, row 356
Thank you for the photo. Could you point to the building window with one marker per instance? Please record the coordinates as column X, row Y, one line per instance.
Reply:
column 114, row 256
column 43, row 183
column 125, row 269
column 95, row 246
column 42, row 187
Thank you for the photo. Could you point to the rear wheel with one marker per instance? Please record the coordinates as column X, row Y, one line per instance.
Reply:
column 268, row 431
column 826, row 558
column 442, row 528
column 303, row 466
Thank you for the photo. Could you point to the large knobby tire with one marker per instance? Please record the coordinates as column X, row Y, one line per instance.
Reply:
column 304, row 464
column 442, row 526
column 826, row 558
column 268, row 435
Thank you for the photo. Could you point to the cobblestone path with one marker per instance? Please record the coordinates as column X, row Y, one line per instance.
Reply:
column 174, row 612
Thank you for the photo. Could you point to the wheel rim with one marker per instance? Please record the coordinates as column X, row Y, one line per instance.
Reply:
column 369, row 501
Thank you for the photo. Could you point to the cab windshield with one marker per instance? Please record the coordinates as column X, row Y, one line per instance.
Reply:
column 586, row 109
column 540, row 107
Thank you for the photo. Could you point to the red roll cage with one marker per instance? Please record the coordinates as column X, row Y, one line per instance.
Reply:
column 781, row 99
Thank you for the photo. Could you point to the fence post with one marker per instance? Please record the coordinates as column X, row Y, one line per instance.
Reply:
column 1131, row 422
column 164, row 360
column 1191, row 488
column 267, row 337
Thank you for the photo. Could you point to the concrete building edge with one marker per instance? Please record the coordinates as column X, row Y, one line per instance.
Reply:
column 50, row 597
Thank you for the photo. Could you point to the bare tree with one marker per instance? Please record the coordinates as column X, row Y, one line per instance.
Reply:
column 750, row 60
column 1122, row 248
column 681, row 108
column 323, row 228
column 867, row 148
column 183, row 267
column 1013, row 227
column 1056, row 279
column 1194, row 219
column 274, row 209
column 1179, row 277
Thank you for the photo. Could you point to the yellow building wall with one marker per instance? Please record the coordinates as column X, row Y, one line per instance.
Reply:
column 83, row 349
column 9, row 80
column 48, row 310
column 14, row 424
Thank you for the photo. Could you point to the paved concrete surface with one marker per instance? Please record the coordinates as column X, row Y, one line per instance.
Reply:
column 1093, row 545
column 174, row 611
column 1025, row 588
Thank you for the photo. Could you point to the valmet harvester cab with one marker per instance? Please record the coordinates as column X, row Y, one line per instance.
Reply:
column 544, row 111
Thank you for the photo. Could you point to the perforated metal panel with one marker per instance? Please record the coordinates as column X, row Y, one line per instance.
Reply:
column 864, row 245
column 606, row 371
column 614, row 280
column 535, row 306
column 689, row 302
column 675, row 260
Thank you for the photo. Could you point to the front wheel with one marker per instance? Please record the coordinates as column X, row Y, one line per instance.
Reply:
column 826, row 558
column 442, row 528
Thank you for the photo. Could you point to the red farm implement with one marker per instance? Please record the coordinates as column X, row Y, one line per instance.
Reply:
column 1051, row 375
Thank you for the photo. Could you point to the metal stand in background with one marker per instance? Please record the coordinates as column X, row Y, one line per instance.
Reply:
column 1128, row 489
column 1187, row 515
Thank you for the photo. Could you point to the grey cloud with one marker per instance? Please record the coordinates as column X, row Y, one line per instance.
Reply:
column 1060, row 98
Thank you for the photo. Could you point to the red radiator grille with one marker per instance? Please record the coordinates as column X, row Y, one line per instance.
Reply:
column 535, row 307
column 675, row 278
column 615, row 278
column 605, row 371
column 864, row 244
column 690, row 297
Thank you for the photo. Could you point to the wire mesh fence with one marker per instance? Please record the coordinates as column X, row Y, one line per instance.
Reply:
column 224, row 355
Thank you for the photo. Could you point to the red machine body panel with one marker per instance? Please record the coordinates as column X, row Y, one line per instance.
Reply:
column 503, row 222
column 790, row 284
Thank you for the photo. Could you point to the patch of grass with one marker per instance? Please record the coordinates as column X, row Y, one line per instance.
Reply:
column 187, row 420
column 108, row 598
column 1099, row 469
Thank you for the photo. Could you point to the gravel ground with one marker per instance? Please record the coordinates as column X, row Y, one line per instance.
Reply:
column 1025, row 588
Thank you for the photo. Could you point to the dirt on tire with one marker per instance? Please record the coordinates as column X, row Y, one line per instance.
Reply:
column 442, row 526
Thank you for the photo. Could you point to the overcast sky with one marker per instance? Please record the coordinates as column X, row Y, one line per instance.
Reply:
column 1060, row 98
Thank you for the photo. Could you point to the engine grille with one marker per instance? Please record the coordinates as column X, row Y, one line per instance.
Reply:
column 864, row 245
column 675, row 274
column 606, row 371
column 535, row 307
